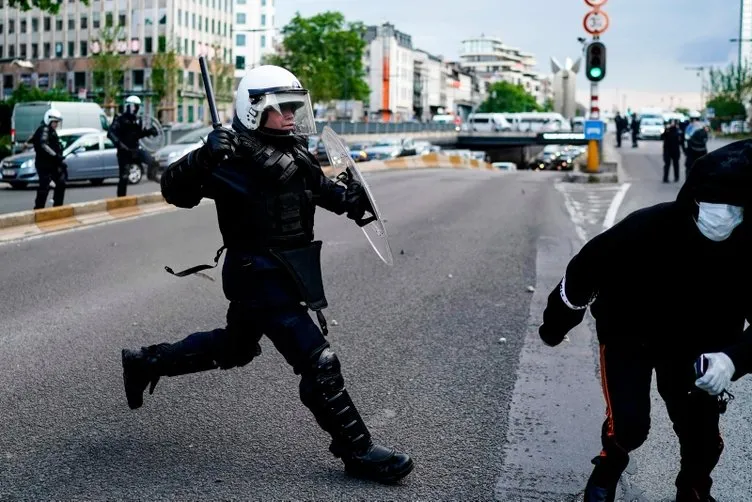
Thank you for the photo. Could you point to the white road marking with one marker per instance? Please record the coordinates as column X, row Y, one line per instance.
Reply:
column 614, row 207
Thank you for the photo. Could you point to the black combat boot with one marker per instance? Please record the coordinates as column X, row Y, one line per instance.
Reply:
column 144, row 367
column 322, row 390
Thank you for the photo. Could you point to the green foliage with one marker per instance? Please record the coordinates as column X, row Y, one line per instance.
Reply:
column 164, row 74
column 50, row 6
column 108, row 66
column 509, row 98
column 548, row 105
column 326, row 54
column 735, row 80
column 24, row 94
column 682, row 110
column 727, row 108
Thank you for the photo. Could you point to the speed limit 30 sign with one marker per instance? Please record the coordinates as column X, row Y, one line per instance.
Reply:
column 596, row 3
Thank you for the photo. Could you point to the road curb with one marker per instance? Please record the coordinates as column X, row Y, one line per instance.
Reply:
column 21, row 224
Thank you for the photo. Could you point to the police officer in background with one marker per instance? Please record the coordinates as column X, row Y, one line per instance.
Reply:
column 672, row 146
column 695, row 141
column 266, row 185
column 635, row 127
column 49, row 159
column 126, row 131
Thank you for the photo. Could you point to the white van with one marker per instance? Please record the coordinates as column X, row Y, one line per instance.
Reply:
column 488, row 122
column 27, row 117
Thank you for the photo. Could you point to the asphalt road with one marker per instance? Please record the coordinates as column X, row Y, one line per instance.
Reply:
column 12, row 200
column 440, row 354
column 419, row 344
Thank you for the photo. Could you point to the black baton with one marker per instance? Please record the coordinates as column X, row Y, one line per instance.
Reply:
column 209, row 92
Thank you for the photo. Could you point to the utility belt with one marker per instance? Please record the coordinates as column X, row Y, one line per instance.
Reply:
column 303, row 265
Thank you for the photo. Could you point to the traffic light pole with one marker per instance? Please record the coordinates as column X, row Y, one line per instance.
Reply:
column 594, row 162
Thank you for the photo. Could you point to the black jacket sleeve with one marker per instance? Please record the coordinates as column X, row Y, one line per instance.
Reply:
column 114, row 133
column 329, row 194
column 571, row 297
column 44, row 143
column 184, row 182
column 741, row 353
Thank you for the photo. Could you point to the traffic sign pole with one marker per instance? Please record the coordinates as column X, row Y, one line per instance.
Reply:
column 593, row 162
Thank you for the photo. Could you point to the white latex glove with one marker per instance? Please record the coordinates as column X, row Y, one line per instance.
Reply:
column 718, row 375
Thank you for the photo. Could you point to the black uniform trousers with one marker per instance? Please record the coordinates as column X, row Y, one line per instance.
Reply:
column 670, row 157
column 626, row 373
column 47, row 174
column 127, row 158
column 692, row 156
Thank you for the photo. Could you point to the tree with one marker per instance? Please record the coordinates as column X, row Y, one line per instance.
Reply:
column 727, row 108
column 548, row 105
column 735, row 80
column 326, row 54
column 683, row 111
column 50, row 6
column 24, row 93
column 165, row 67
column 108, row 66
column 505, row 97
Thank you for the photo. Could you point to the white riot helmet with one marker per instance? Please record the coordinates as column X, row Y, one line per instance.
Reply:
column 694, row 115
column 132, row 104
column 52, row 115
column 272, row 87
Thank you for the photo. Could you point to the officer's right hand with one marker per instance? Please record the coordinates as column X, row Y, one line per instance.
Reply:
column 221, row 143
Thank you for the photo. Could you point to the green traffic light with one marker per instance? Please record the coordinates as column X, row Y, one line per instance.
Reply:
column 596, row 72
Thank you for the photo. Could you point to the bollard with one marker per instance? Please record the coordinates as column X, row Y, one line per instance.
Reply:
column 593, row 161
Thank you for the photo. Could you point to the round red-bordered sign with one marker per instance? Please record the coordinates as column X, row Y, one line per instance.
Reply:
column 595, row 22
column 596, row 3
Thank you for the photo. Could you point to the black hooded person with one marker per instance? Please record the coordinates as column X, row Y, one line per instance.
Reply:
column 266, row 186
column 651, row 315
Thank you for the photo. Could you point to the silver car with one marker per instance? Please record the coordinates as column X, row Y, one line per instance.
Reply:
column 90, row 156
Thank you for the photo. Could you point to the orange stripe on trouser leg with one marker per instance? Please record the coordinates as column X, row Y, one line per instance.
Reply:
column 604, row 385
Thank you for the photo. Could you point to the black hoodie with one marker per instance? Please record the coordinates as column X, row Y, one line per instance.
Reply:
column 654, row 280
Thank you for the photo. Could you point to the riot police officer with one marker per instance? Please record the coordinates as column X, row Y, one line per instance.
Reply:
column 126, row 131
column 695, row 143
column 672, row 143
column 49, row 160
column 266, row 185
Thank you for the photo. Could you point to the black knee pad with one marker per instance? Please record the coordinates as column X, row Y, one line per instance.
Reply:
column 240, row 351
column 322, row 380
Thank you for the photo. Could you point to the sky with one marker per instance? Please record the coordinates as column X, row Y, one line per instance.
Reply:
column 649, row 43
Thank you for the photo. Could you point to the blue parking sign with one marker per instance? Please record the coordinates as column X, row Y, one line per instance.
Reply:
column 594, row 129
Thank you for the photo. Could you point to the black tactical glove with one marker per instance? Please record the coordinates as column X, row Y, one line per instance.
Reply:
column 558, row 319
column 152, row 131
column 220, row 143
column 356, row 201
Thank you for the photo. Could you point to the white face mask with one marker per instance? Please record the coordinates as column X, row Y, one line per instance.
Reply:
column 717, row 221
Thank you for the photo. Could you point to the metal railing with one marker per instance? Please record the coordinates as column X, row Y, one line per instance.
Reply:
column 344, row 127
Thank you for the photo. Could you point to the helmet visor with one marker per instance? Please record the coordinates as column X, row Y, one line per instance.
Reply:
column 297, row 102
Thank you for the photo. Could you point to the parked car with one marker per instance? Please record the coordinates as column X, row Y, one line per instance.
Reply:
column 358, row 151
column 90, row 156
column 651, row 128
column 505, row 166
column 170, row 153
column 391, row 148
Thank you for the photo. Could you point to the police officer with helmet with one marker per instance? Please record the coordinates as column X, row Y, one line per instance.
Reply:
column 49, row 160
column 266, row 186
column 126, row 131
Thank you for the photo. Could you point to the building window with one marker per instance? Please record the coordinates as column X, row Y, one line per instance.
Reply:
column 95, row 20
column 47, row 23
column 84, row 23
column 162, row 44
column 180, row 16
column 46, row 50
column 108, row 19
column 59, row 49
column 11, row 26
column 263, row 41
column 163, row 16
column 1, row 27
column 2, row 51
column 190, row 113
column 22, row 47
column 213, row 27
column 193, row 47
column 241, row 2
column 200, row 24
column 193, row 21
column 138, row 80
column 191, row 81
column 60, row 80
column 185, row 47
column 43, row 81
column 240, row 40
column 23, row 26
column 121, row 20
column 180, row 113
column 148, row 45
column 34, row 25
column 240, row 62
column 186, row 19
column 263, row 19
column 71, row 22
column 12, row 51
column 240, row 18
column 34, row 51
column 84, row 48
column 71, row 49
column 79, row 80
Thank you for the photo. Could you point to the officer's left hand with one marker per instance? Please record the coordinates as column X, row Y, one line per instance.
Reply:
column 718, row 375
column 152, row 131
column 356, row 200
